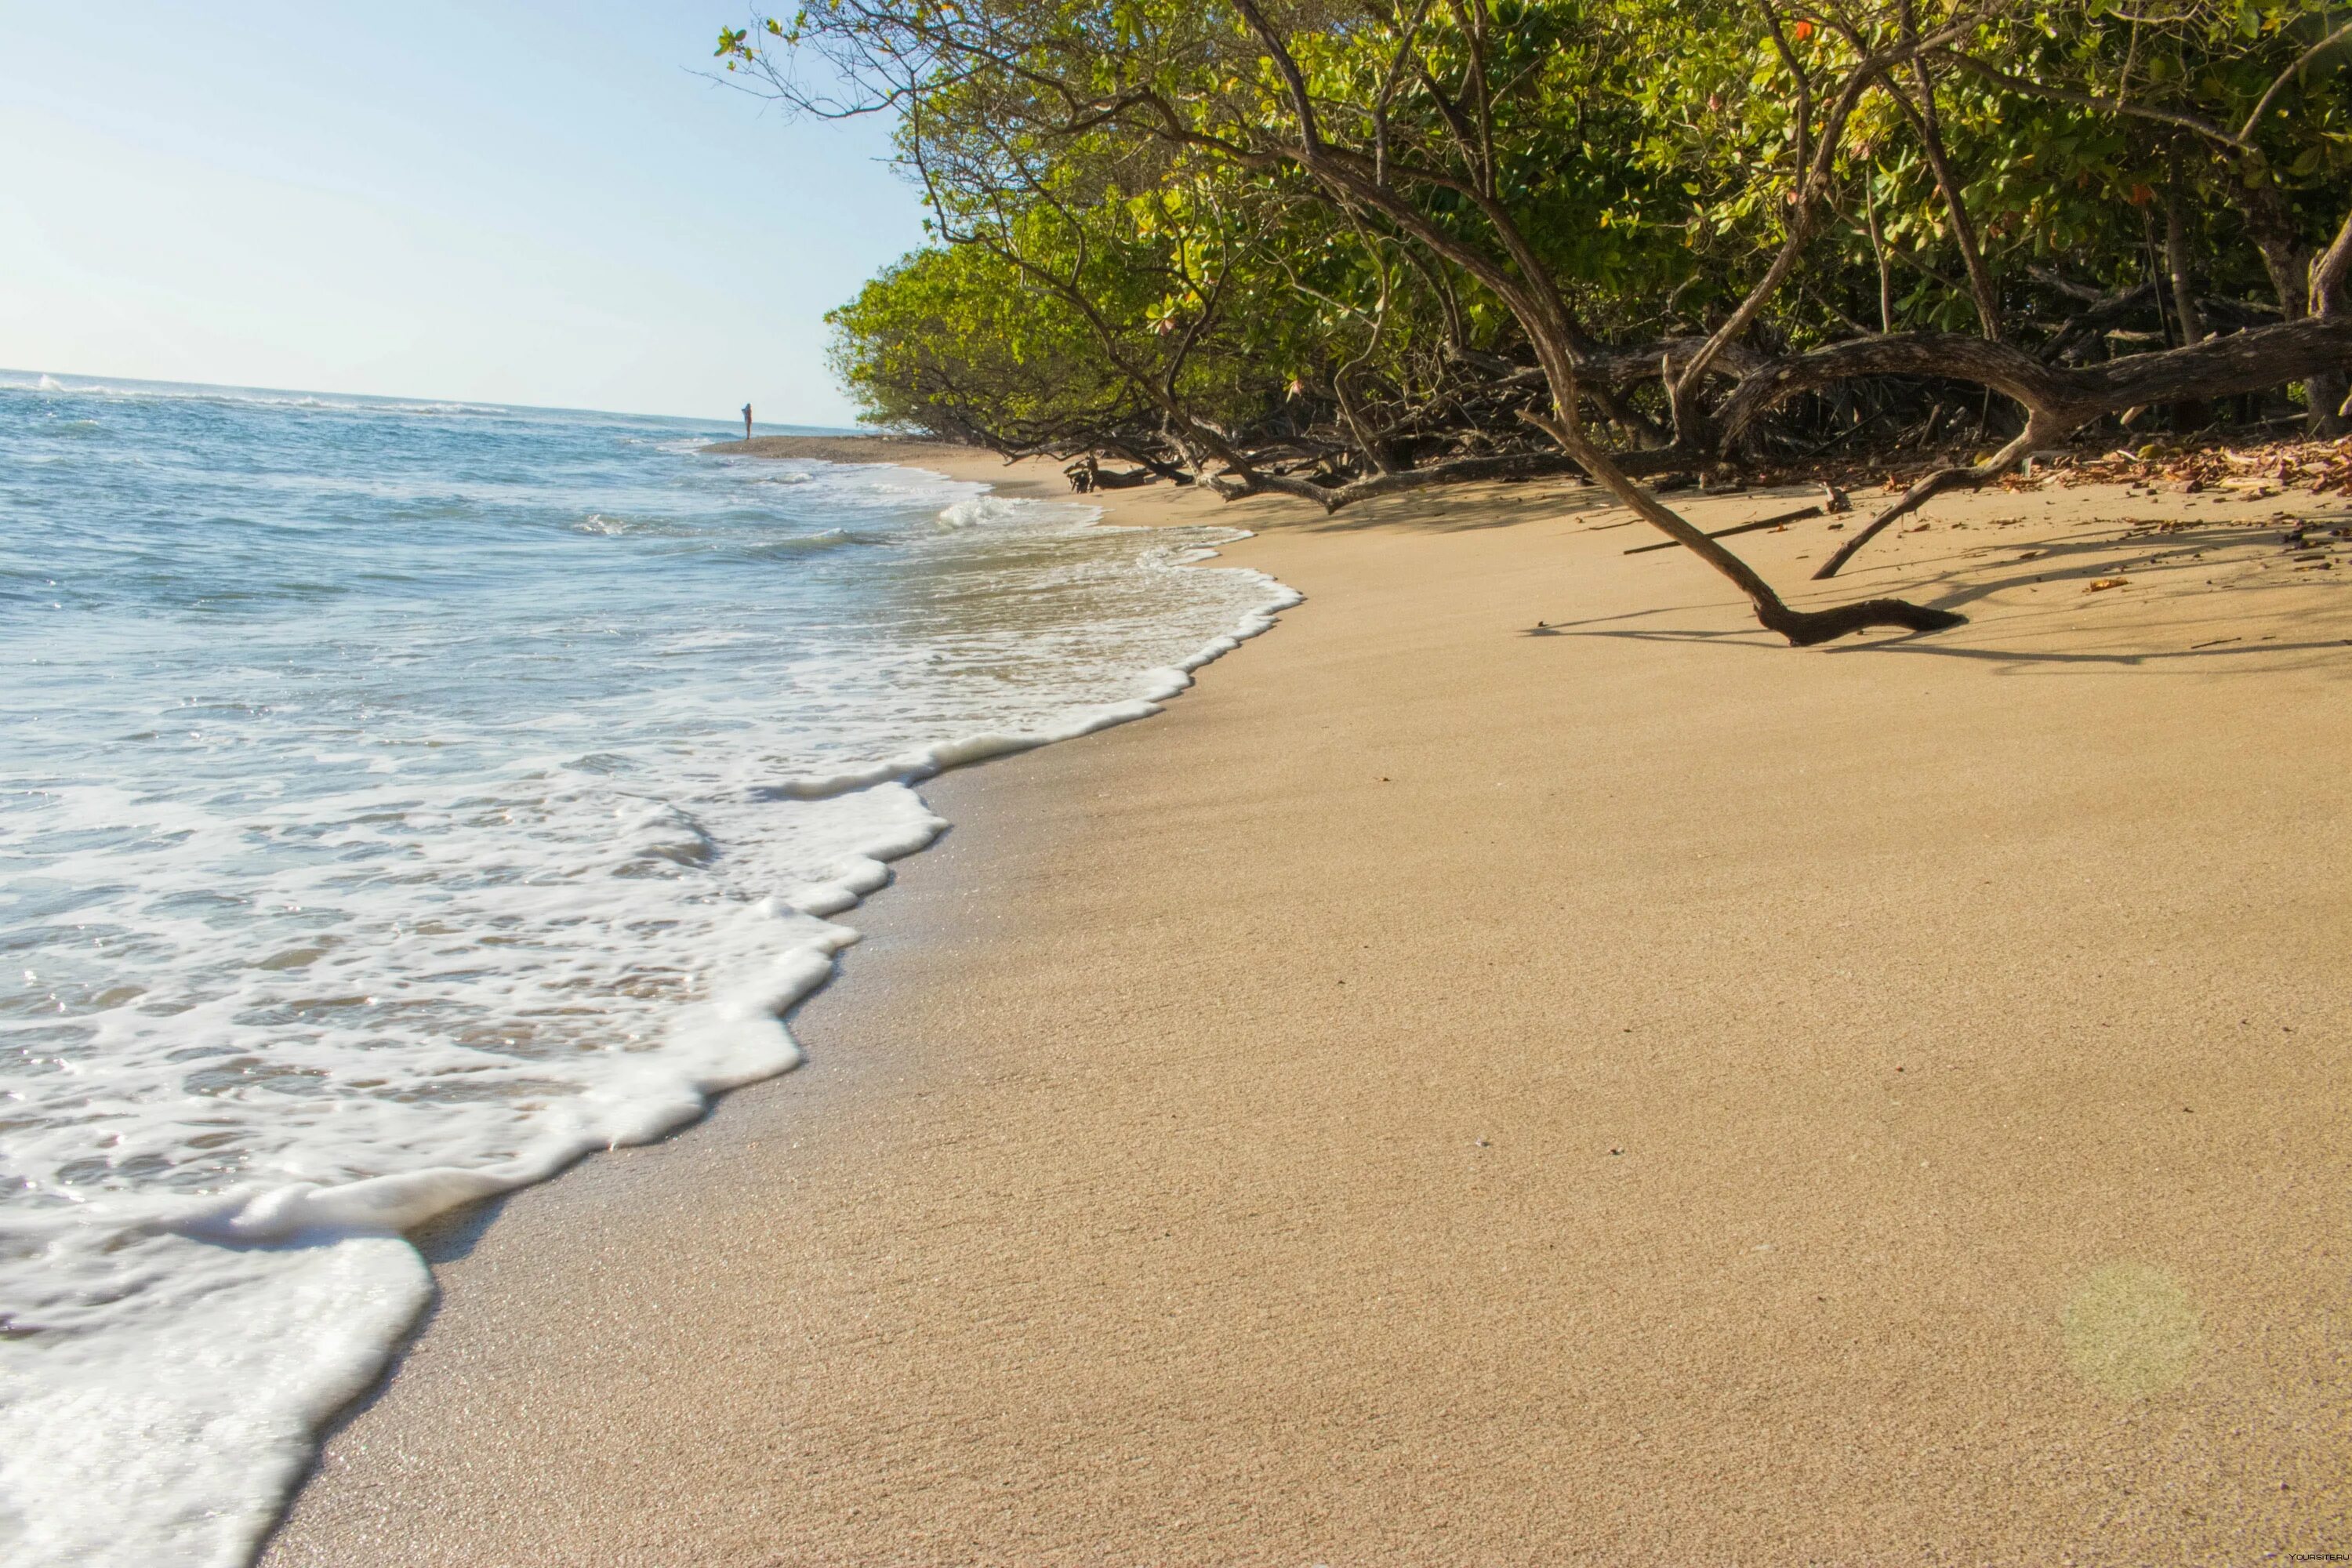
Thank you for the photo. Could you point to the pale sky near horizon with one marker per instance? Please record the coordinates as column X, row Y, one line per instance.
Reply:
column 513, row 201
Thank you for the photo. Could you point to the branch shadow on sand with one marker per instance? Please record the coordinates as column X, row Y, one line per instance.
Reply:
column 2207, row 598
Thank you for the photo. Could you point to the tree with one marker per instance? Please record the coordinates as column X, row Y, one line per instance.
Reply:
column 1408, row 121
column 1649, row 230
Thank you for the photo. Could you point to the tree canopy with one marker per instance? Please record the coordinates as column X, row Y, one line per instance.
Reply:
column 1341, row 247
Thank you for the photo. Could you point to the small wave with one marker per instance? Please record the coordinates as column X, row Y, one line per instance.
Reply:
column 445, row 408
column 986, row 511
column 172, row 392
column 914, row 767
column 788, row 544
column 613, row 525
column 202, row 395
column 809, row 543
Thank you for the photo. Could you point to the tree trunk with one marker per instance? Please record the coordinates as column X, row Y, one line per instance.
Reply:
column 1134, row 453
column 1367, row 445
column 1929, row 126
column 2251, row 361
column 2176, row 259
column 2331, row 300
column 2190, row 413
column 1803, row 628
column 2287, row 258
column 1878, row 249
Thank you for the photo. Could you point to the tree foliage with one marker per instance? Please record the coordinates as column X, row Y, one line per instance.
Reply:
column 1341, row 246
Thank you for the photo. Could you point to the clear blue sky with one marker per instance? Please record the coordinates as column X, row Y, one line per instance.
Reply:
column 514, row 201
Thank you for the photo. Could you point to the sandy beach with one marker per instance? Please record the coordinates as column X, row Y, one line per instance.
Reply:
column 1517, row 1066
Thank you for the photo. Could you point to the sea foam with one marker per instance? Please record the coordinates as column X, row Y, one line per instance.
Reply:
column 400, row 835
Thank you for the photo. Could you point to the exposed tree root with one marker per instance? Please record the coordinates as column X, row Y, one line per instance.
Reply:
column 1933, row 485
column 1803, row 628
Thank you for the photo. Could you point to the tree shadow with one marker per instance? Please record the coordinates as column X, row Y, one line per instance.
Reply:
column 1755, row 638
column 2085, row 560
column 1575, row 629
column 1505, row 503
column 2157, row 564
column 2117, row 660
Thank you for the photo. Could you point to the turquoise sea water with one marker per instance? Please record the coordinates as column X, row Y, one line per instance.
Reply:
column 398, row 799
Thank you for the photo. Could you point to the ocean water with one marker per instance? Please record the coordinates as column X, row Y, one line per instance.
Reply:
column 398, row 800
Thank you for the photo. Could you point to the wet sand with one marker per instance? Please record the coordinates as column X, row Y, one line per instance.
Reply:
column 1459, row 1090
column 970, row 462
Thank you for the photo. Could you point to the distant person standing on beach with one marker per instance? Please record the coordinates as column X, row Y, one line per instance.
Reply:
column 747, row 422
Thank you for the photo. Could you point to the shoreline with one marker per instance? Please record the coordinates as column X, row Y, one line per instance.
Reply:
column 1518, row 1066
column 1031, row 477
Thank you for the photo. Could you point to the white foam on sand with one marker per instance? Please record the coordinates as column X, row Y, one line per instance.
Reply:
column 532, row 968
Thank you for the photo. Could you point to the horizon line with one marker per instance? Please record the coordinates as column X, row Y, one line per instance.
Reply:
column 104, row 382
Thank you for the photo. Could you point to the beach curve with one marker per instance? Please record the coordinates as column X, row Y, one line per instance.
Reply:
column 1507, row 1072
